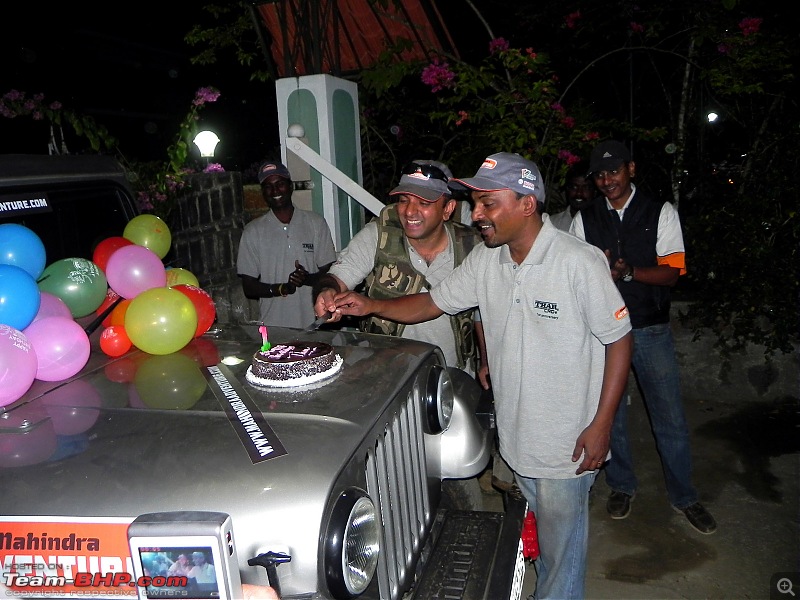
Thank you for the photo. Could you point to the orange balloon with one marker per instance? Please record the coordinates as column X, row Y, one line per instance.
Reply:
column 117, row 316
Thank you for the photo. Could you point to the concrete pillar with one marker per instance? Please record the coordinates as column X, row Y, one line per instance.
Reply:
column 327, row 109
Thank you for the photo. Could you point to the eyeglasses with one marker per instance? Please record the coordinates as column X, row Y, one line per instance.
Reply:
column 427, row 170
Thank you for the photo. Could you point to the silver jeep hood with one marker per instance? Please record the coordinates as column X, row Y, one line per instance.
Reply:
column 186, row 431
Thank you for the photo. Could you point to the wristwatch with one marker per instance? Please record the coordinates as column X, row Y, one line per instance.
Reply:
column 628, row 276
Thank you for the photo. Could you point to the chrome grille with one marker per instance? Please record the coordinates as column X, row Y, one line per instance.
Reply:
column 397, row 483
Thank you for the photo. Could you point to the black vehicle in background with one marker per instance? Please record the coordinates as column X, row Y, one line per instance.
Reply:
column 72, row 202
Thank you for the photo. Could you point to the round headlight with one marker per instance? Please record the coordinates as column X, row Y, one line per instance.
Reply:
column 439, row 399
column 352, row 544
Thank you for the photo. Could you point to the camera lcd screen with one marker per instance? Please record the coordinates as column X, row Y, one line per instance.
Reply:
column 180, row 572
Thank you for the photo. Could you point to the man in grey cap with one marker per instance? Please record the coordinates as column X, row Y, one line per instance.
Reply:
column 545, row 298
column 410, row 247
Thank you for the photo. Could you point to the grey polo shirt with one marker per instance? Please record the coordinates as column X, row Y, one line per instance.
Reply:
column 267, row 251
column 546, row 322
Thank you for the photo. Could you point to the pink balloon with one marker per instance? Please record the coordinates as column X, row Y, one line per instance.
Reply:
column 27, row 437
column 52, row 306
column 74, row 407
column 134, row 269
column 18, row 362
column 62, row 347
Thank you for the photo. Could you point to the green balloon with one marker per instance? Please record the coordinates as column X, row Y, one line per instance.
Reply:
column 151, row 232
column 78, row 282
column 171, row 382
column 160, row 320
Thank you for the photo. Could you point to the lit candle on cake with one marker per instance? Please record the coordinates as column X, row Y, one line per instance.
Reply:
column 263, row 331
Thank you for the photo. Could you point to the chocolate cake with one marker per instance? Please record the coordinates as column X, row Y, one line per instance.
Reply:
column 293, row 364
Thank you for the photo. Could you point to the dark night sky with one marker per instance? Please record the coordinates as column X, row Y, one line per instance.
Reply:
column 130, row 71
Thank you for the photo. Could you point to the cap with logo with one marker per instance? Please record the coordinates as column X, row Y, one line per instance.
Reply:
column 505, row 171
column 425, row 179
column 608, row 156
column 271, row 167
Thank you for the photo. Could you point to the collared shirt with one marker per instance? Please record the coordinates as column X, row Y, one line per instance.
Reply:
column 267, row 251
column 546, row 322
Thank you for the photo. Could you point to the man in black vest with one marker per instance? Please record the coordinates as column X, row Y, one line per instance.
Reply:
column 643, row 241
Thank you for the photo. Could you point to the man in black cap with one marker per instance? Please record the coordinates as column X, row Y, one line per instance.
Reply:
column 643, row 241
column 277, row 248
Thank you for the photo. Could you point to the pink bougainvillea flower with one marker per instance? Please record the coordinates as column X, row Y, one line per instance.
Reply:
column 637, row 27
column 205, row 94
column 462, row 117
column 572, row 19
column 750, row 25
column 568, row 157
column 498, row 45
column 438, row 76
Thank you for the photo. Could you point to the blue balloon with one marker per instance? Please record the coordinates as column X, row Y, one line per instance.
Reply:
column 19, row 297
column 21, row 247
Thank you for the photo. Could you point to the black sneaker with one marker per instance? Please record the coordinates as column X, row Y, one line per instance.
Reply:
column 619, row 505
column 699, row 518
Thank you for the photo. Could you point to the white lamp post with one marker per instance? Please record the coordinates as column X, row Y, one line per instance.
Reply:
column 206, row 141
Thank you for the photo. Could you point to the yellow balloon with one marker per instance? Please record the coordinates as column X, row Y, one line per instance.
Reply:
column 172, row 382
column 179, row 276
column 151, row 232
column 160, row 320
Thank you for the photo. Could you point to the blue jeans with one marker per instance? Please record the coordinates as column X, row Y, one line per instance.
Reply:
column 656, row 369
column 561, row 507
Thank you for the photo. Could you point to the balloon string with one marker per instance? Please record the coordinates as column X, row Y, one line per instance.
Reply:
column 90, row 328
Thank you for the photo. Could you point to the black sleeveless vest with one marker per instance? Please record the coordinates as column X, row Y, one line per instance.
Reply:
column 634, row 240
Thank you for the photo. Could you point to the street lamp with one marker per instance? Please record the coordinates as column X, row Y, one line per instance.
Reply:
column 206, row 141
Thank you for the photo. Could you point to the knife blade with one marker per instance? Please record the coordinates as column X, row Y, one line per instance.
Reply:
column 317, row 322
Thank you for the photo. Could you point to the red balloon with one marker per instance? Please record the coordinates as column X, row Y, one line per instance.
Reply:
column 114, row 341
column 106, row 248
column 111, row 297
column 121, row 371
column 203, row 305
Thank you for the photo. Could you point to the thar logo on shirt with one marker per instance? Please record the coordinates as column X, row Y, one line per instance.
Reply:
column 308, row 247
column 546, row 309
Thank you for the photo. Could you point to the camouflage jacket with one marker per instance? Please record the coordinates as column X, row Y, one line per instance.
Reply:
column 394, row 275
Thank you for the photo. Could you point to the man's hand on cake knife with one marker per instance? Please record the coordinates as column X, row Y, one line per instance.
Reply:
column 317, row 322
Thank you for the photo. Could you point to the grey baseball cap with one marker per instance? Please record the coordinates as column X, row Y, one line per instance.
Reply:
column 425, row 179
column 504, row 171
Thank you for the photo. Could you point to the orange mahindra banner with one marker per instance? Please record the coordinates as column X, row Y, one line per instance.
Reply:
column 65, row 557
